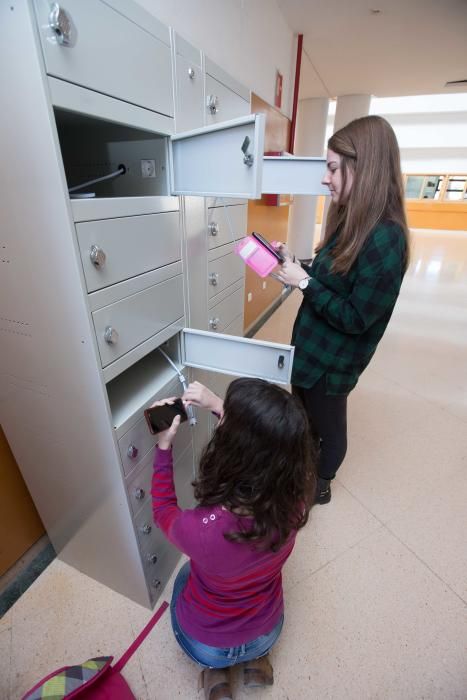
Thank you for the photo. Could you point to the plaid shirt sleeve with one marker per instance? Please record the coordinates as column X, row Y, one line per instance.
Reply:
column 375, row 289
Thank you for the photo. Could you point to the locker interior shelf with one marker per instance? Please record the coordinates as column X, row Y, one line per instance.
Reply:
column 93, row 147
column 140, row 384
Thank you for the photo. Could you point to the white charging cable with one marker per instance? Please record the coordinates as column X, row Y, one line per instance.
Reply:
column 189, row 409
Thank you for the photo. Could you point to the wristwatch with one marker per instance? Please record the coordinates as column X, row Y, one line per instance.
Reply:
column 303, row 284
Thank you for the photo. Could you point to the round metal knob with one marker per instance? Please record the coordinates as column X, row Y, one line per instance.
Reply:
column 60, row 24
column 213, row 228
column 155, row 583
column 152, row 558
column 191, row 73
column 110, row 335
column 214, row 323
column 214, row 278
column 146, row 528
column 132, row 452
column 97, row 256
column 140, row 493
column 212, row 103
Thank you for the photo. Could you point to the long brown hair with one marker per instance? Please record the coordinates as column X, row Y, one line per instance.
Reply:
column 260, row 462
column 370, row 154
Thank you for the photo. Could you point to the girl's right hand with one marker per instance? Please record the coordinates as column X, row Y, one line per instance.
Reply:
column 199, row 395
column 283, row 250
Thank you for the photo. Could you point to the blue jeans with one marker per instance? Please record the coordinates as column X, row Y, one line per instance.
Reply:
column 217, row 657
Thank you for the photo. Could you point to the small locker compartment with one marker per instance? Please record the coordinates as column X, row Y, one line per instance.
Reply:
column 224, row 268
column 189, row 112
column 138, row 442
column 127, row 323
column 113, row 250
column 225, row 97
column 227, row 309
column 153, row 376
column 226, row 224
column 117, row 160
column 125, row 54
column 149, row 379
column 105, row 159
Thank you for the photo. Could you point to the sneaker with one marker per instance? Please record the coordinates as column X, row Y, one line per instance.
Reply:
column 258, row 673
column 323, row 491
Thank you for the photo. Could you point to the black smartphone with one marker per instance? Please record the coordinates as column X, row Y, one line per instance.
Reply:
column 279, row 257
column 160, row 418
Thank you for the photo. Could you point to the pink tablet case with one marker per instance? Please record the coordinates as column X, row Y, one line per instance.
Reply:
column 256, row 256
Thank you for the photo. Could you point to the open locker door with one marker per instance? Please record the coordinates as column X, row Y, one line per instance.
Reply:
column 293, row 175
column 222, row 160
column 240, row 357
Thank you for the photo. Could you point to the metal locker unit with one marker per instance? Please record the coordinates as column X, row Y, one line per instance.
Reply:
column 92, row 287
column 86, row 300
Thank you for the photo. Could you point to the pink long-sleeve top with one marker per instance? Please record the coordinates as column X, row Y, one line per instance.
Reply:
column 234, row 592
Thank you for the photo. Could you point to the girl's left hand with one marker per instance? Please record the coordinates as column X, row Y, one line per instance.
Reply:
column 290, row 273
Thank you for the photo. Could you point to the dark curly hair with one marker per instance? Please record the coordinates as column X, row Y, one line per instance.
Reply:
column 260, row 461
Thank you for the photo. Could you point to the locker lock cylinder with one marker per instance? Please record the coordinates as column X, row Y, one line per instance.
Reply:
column 248, row 158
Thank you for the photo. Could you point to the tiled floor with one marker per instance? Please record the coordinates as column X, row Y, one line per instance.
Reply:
column 376, row 588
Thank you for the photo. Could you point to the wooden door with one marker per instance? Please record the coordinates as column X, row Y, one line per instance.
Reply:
column 20, row 524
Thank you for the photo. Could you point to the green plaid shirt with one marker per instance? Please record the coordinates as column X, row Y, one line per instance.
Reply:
column 343, row 317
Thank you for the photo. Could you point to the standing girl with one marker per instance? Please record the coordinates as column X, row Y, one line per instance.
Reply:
column 255, row 488
column 352, row 285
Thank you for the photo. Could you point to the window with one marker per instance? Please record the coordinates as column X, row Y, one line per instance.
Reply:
column 455, row 189
column 443, row 188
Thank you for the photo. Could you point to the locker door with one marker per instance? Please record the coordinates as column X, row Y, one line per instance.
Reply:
column 222, row 160
column 293, row 175
column 241, row 357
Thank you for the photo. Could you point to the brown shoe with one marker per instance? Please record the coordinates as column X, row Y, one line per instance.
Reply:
column 216, row 683
column 258, row 673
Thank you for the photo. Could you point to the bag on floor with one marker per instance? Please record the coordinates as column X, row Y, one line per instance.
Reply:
column 96, row 679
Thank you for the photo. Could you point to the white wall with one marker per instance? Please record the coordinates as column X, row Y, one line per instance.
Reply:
column 431, row 130
column 248, row 39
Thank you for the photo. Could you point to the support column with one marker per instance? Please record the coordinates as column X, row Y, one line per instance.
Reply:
column 309, row 141
column 349, row 107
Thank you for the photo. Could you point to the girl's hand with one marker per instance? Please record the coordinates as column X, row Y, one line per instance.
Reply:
column 166, row 437
column 290, row 273
column 199, row 395
column 283, row 250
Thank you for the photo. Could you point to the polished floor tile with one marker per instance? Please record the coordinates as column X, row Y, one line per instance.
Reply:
column 375, row 589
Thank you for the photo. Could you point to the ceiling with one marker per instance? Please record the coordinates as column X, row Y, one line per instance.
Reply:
column 409, row 47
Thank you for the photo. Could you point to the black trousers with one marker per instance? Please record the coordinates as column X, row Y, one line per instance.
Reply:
column 328, row 422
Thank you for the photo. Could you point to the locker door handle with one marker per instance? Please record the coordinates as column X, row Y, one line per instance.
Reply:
column 214, row 278
column 213, row 228
column 214, row 323
column 281, row 362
